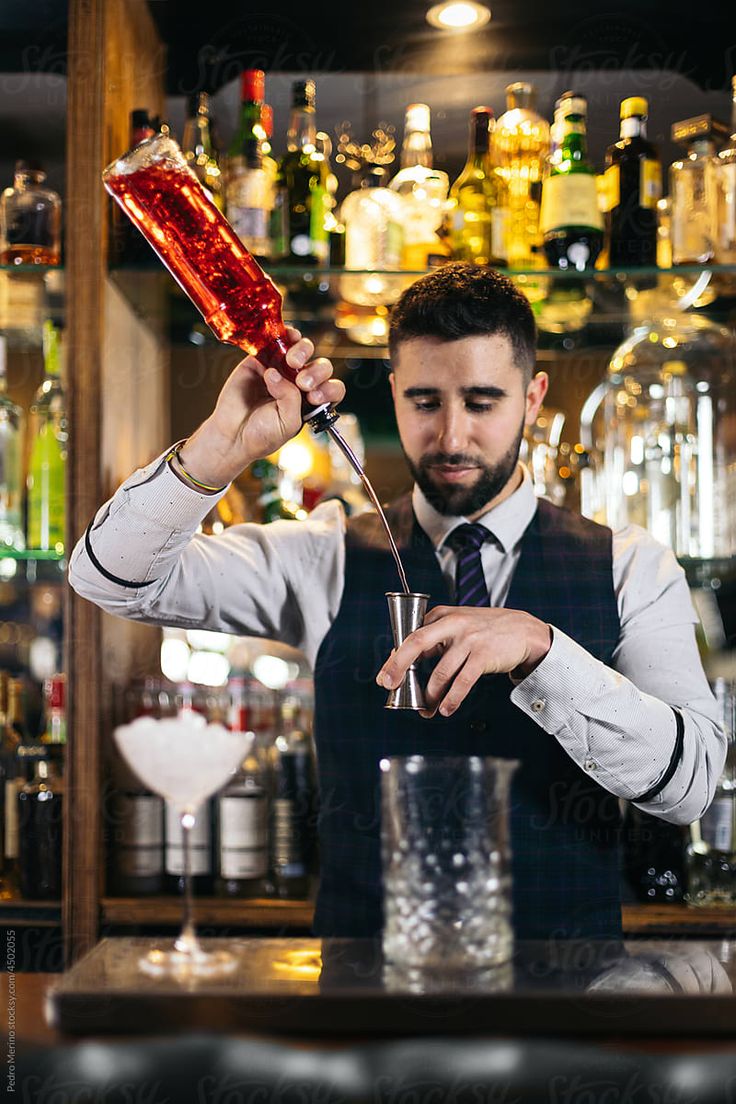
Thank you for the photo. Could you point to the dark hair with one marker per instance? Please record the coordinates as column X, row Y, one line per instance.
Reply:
column 464, row 300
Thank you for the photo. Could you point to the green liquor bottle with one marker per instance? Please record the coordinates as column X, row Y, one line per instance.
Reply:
column 303, row 201
column 570, row 219
column 11, row 465
column 47, row 466
column 476, row 223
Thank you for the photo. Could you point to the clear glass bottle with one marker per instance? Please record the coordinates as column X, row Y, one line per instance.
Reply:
column 570, row 219
column 199, row 148
column 693, row 192
column 250, row 200
column 47, row 464
column 521, row 145
column 12, row 426
column 476, row 219
column 726, row 194
column 30, row 219
column 424, row 190
column 711, row 852
column 373, row 240
column 663, row 427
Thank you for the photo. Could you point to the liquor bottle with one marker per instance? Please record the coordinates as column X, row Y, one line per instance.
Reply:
column 693, row 192
column 242, row 813
column 520, row 148
column 239, row 303
column 13, row 740
column 54, row 734
column 424, row 190
column 301, row 201
column 476, row 219
column 632, row 188
column 292, row 817
column 127, row 247
column 249, row 194
column 726, row 193
column 373, row 240
column 570, row 220
column 654, row 859
column 11, row 462
column 47, row 464
column 199, row 148
column 138, row 842
column 30, row 219
column 136, row 823
column 200, row 850
column 40, row 805
column 711, row 852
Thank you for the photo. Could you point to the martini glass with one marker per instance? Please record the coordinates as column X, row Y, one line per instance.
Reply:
column 185, row 760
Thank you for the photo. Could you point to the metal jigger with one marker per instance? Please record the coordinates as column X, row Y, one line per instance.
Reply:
column 407, row 614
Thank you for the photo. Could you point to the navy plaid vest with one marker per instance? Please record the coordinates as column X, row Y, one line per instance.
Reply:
column 564, row 827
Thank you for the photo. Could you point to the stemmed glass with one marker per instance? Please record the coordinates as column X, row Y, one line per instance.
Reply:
column 185, row 760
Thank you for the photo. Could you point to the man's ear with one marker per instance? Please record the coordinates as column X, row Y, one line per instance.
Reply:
column 392, row 381
column 535, row 392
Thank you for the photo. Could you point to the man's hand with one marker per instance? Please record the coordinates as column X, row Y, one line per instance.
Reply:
column 472, row 642
column 257, row 412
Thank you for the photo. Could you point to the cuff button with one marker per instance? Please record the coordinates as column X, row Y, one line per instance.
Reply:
column 538, row 705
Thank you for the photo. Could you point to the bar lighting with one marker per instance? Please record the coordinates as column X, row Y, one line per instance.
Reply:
column 458, row 15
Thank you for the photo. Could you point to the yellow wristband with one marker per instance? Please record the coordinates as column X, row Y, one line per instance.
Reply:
column 195, row 482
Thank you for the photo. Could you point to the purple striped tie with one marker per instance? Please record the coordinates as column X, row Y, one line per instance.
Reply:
column 470, row 582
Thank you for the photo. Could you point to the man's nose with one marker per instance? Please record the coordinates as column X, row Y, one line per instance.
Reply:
column 453, row 430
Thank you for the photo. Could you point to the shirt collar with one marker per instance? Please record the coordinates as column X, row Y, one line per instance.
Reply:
column 508, row 521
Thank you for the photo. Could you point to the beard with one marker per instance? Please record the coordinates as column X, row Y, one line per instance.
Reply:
column 456, row 501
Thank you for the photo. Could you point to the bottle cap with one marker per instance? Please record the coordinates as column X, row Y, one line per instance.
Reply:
column 56, row 692
column 571, row 103
column 417, row 117
column 267, row 120
column 139, row 118
column 199, row 104
column 520, row 94
column 303, row 94
column 375, row 177
column 477, row 111
column 252, row 85
column 634, row 105
column 29, row 164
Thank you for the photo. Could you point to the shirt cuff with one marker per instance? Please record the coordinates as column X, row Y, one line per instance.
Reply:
column 155, row 493
column 566, row 681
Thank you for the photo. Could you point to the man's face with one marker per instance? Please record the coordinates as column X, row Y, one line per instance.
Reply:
column 461, row 407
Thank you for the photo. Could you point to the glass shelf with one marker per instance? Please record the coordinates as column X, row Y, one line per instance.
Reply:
column 277, row 269
column 33, row 555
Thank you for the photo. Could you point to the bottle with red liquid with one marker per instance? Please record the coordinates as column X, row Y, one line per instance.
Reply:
column 161, row 195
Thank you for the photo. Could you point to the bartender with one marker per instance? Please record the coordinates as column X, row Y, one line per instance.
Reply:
column 550, row 639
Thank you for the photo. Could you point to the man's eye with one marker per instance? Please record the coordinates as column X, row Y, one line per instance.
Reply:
column 426, row 405
column 479, row 408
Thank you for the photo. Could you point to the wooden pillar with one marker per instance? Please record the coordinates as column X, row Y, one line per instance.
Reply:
column 116, row 63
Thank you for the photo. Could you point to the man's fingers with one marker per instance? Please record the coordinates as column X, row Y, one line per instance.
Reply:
column 415, row 645
column 300, row 353
column 437, row 612
column 462, row 684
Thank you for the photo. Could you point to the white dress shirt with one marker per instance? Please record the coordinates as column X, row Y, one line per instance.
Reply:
column 285, row 581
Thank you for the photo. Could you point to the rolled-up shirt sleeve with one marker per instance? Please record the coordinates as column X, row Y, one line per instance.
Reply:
column 142, row 558
column 620, row 722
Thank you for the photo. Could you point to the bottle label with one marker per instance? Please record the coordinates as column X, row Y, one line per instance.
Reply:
column 249, row 223
column 288, row 847
column 609, row 188
column 570, row 199
column 140, row 824
column 319, row 242
column 12, row 788
column 199, row 843
column 500, row 219
column 650, row 182
column 243, row 836
column 716, row 824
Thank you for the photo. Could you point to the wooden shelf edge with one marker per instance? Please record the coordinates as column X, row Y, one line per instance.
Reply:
column 240, row 912
column 677, row 920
